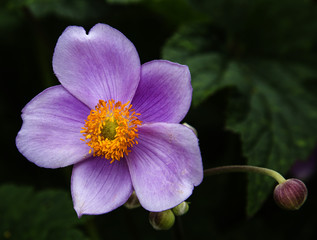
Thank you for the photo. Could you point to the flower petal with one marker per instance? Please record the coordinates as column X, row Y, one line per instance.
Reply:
column 99, row 186
column 165, row 165
column 102, row 64
column 50, row 134
column 164, row 93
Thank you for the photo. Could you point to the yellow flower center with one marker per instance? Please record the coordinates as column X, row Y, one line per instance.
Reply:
column 110, row 129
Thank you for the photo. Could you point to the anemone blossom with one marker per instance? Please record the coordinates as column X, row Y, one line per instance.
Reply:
column 116, row 121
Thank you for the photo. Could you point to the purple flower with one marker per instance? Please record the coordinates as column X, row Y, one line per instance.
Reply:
column 117, row 121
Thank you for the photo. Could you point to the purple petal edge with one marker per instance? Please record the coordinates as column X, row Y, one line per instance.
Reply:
column 165, row 165
column 102, row 64
column 50, row 133
column 164, row 93
column 99, row 186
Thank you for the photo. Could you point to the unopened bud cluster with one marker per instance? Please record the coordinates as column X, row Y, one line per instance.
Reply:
column 181, row 209
column 290, row 194
column 133, row 202
column 165, row 220
column 162, row 220
column 191, row 128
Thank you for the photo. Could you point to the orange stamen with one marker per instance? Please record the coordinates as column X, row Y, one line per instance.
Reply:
column 110, row 129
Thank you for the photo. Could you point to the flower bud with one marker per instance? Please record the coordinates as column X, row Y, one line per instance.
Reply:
column 181, row 209
column 290, row 194
column 133, row 202
column 191, row 128
column 162, row 220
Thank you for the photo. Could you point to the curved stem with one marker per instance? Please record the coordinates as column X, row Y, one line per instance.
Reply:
column 245, row 168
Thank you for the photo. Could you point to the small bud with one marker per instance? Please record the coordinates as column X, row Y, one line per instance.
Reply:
column 162, row 220
column 191, row 128
column 290, row 194
column 133, row 202
column 181, row 209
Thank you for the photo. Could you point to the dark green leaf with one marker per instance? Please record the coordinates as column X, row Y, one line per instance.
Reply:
column 45, row 215
column 188, row 47
column 279, row 125
column 271, row 109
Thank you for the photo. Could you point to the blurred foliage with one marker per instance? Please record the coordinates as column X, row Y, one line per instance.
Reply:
column 264, row 27
column 69, row 9
column 44, row 215
column 271, row 108
column 253, row 66
column 123, row 1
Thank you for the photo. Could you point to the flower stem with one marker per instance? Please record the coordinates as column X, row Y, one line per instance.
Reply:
column 245, row 168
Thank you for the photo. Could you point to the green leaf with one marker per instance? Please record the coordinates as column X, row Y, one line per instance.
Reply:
column 279, row 125
column 188, row 47
column 45, row 215
column 269, row 107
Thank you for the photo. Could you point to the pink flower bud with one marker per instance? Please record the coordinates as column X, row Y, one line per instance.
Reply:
column 290, row 194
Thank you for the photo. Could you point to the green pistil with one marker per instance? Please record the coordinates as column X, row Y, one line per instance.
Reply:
column 109, row 129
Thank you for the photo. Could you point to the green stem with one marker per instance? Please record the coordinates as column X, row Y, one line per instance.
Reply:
column 245, row 168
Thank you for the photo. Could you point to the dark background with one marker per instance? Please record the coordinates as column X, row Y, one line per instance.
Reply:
column 35, row 203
